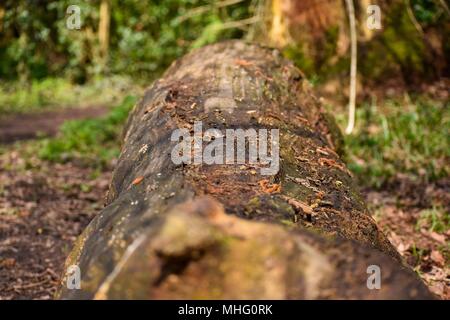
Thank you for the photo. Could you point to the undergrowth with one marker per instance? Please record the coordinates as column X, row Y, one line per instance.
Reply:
column 93, row 141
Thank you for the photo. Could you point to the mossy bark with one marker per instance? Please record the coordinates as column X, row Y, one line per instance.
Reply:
column 226, row 231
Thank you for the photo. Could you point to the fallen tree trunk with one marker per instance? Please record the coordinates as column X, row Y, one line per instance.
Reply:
column 226, row 230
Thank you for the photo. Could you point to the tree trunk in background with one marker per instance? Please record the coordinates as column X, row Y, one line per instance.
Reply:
column 2, row 14
column 226, row 231
column 309, row 23
column 353, row 67
column 366, row 33
column 315, row 34
column 278, row 34
column 103, row 28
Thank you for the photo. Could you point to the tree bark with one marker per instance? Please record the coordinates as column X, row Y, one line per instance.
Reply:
column 226, row 231
column 308, row 24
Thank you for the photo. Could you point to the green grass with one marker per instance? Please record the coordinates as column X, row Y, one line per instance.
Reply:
column 435, row 219
column 93, row 141
column 399, row 137
column 51, row 93
column 418, row 255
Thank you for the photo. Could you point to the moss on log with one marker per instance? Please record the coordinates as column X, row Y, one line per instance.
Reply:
column 226, row 231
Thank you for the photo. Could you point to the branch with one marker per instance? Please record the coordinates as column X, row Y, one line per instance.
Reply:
column 352, row 98
column 445, row 6
column 412, row 17
column 202, row 9
column 240, row 23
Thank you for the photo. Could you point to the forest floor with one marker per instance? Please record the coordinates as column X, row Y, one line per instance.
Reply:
column 45, row 205
column 43, row 208
column 404, row 211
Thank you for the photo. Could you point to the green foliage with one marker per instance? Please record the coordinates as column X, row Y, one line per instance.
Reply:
column 435, row 219
column 301, row 60
column 93, row 140
column 427, row 12
column 23, row 39
column 209, row 35
column 399, row 49
column 322, row 62
column 408, row 138
column 48, row 93
column 18, row 97
column 161, row 32
column 402, row 47
column 145, row 36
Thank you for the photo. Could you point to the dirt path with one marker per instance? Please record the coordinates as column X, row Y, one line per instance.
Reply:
column 27, row 126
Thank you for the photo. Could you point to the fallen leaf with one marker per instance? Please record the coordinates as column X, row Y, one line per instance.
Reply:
column 137, row 180
column 334, row 164
column 322, row 151
column 434, row 235
column 437, row 257
column 301, row 119
column 402, row 247
column 243, row 63
column 326, row 150
column 299, row 205
column 8, row 263
column 268, row 187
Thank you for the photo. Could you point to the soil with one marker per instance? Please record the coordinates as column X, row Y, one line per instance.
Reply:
column 397, row 209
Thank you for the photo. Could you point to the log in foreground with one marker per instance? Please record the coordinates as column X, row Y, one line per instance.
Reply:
column 227, row 231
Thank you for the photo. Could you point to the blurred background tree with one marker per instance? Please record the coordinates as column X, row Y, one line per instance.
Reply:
column 140, row 38
column 412, row 43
